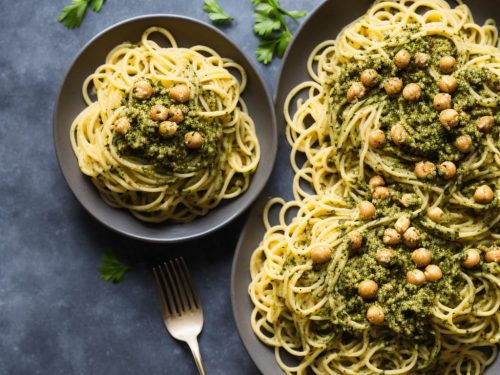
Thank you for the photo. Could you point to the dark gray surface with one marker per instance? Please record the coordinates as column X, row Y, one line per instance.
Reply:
column 187, row 32
column 56, row 315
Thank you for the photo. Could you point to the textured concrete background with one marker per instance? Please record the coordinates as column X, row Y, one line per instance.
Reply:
column 56, row 315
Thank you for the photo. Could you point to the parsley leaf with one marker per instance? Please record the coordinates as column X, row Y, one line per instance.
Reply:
column 112, row 269
column 215, row 13
column 72, row 15
column 270, row 25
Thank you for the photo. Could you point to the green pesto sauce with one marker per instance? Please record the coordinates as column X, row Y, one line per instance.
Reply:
column 167, row 155
column 427, row 138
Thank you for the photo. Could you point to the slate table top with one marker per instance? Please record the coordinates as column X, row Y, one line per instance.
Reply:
column 56, row 315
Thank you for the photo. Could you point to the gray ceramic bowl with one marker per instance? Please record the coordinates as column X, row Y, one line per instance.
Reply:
column 187, row 32
column 325, row 22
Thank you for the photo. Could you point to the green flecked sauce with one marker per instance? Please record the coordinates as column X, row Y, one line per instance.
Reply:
column 167, row 155
column 427, row 139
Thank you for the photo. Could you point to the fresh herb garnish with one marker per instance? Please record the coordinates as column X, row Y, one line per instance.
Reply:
column 270, row 25
column 72, row 15
column 112, row 269
column 215, row 13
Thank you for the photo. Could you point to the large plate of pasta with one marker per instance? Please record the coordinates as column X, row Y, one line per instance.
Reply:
column 380, row 253
column 159, row 127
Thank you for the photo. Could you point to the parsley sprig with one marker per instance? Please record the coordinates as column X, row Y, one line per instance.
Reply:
column 72, row 15
column 111, row 268
column 215, row 12
column 270, row 25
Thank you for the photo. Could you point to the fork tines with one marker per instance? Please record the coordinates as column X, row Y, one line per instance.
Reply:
column 175, row 287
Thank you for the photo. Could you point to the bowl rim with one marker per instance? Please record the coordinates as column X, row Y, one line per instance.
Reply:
column 270, row 156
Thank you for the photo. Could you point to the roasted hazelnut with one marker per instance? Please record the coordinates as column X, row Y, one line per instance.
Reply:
column 416, row 277
column 447, row 170
column 422, row 59
column 411, row 237
column 433, row 273
column 375, row 315
column 435, row 214
column 449, row 118
column 472, row 258
column 122, row 125
column 366, row 210
column 483, row 194
column 158, row 112
column 179, row 93
column 463, row 143
column 355, row 92
column 370, row 77
column 393, row 86
column 376, row 181
column 402, row 224
column 447, row 84
column 442, row 101
column 447, row 64
column 381, row 192
column 412, row 92
column 421, row 257
column 376, row 138
column 367, row 288
column 142, row 90
column 391, row 237
column 193, row 140
column 321, row 255
column 485, row 123
column 398, row 134
column 402, row 59
column 425, row 170
column 167, row 129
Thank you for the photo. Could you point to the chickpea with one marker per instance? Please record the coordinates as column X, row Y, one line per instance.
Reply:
column 415, row 277
column 447, row 84
column 321, row 255
column 367, row 288
column 370, row 77
column 412, row 92
column 193, row 140
column 407, row 199
column 442, row 101
column 366, row 210
column 167, row 129
column 356, row 239
column 421, row 257
column 355, row 92
column 449, row 118
column 391, row 237
column 402, row 224
column 433, row 273
column 384, row 255
column 447, row 170
column 492, row 256
column 393, row 86
column 381, row 192
column 402, row 59
column 122, row 125
column 425, row 169
column 158, row 112
column 176, row 114
column 485, row 123
column 376, row 138
column 398, row 134
column 422, row 59
column 142, row 90
column 483, row 194
column 375, row 315
column 435, row 214
column 179, row 93
column 472, row 258
column 447, row 64
column 464, row 143
column 411, row 237
column 376, row 181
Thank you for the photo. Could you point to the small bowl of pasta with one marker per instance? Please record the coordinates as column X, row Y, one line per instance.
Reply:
column 159, row 128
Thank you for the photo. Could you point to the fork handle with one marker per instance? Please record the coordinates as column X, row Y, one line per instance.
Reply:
column 195, row 349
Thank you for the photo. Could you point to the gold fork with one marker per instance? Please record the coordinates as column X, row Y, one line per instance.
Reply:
column 180, row 305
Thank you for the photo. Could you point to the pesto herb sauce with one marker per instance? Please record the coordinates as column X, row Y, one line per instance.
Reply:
column 167, row 155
